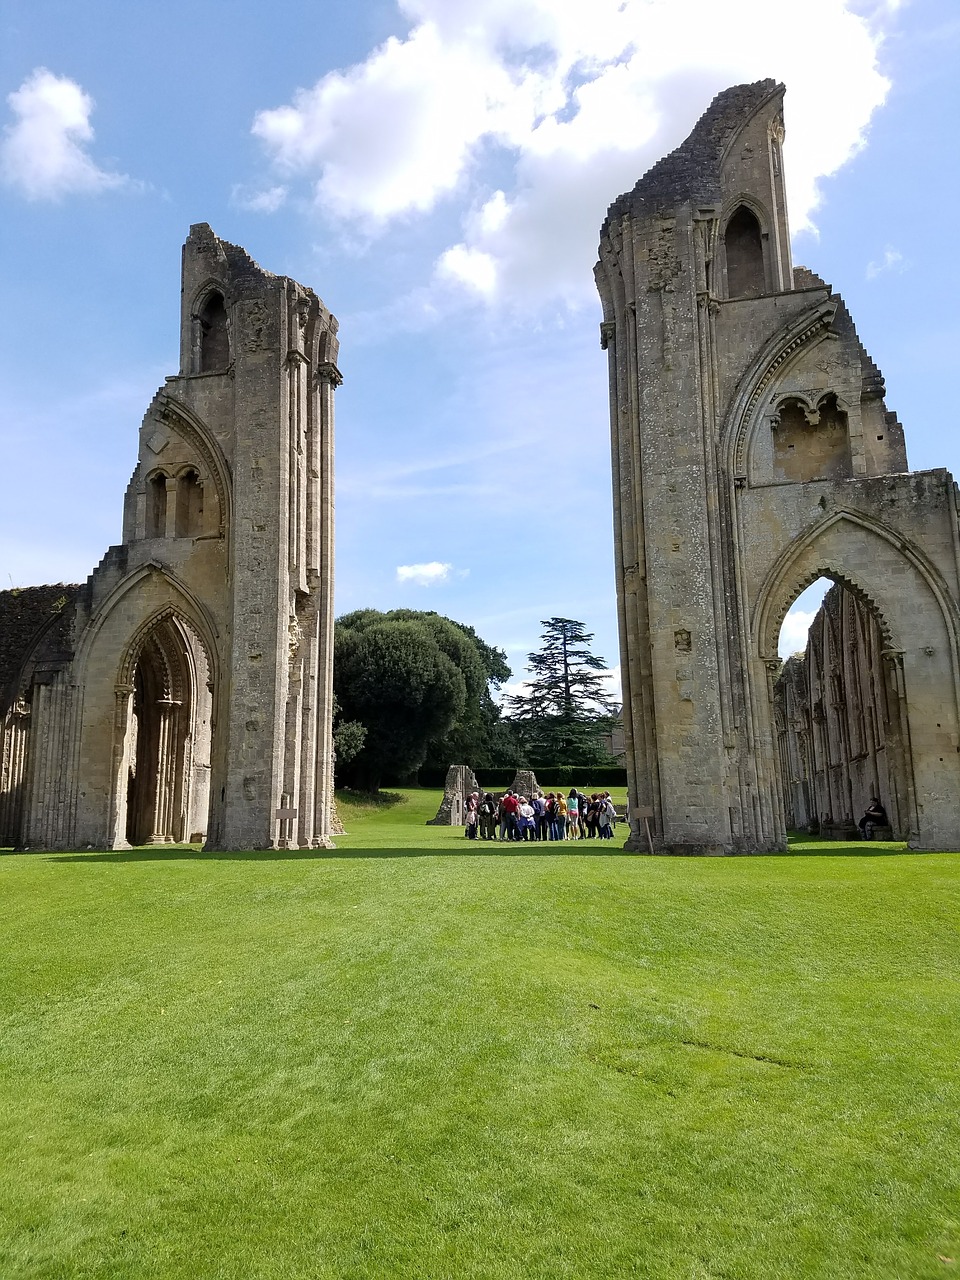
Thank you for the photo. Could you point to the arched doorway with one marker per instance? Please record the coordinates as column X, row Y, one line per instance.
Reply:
column 840, row 723
column 902, row 670
column 164, row 786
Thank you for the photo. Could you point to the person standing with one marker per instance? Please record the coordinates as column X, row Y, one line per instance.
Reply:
column 561, row 816
column 540, row 815
column 511, row 804
column 552, row 815
column 593, row 814
column 573, row 814
column 488, row 817
column 525, row 818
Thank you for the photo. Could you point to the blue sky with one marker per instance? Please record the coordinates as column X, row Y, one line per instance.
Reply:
column 437, row 170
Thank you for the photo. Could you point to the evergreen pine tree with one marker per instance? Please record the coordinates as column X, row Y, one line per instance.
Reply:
column 566, row 710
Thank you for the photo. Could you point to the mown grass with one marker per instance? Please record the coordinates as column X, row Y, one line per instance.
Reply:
column 559, row 1061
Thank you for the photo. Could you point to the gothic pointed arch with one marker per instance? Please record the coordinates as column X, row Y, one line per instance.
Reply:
column 755, row 393
column 175, row 595
column 212, row 352
column 165, row 724
column 208, row 458
column 743, row 252
column 859, row 552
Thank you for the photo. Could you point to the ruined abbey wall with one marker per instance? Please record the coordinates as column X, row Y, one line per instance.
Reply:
column 752, row 454
column 190, row 693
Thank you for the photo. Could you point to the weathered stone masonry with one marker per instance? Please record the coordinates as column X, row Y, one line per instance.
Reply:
column 752, row 454
column 184, row 692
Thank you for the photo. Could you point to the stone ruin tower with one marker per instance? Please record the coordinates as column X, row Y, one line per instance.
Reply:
column 752, row 454
column 185, row 691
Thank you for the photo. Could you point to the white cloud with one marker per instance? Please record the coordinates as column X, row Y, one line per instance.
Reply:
column 892, row 260
column 567, row 113
column 471, row 267
column 43, row 153
column 267, row 201
column 793, row 633
column 794, row 628
column 424, row 575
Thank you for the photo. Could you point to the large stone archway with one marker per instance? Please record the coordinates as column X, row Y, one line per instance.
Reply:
column 752, row 454
column 165, row 706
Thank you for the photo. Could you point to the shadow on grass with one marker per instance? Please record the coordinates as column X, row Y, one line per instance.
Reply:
column 801, row 845
column 827, row 849
column 184, row 854
column 369, row 799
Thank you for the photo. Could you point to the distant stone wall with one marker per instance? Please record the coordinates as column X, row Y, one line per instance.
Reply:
column 525, row 783
column 25, row 613
column 460, row 782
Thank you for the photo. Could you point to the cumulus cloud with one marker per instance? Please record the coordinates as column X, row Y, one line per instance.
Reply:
column 793, row 633
column 44, row 152
column 565, row 114
column 892, row 260
column 424, row 575
column 265, row 201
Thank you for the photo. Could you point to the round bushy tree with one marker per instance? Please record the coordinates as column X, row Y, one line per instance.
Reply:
column 393, row 677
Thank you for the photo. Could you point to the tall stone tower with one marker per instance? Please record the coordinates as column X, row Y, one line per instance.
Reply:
column 185, row 691
column 752, row 454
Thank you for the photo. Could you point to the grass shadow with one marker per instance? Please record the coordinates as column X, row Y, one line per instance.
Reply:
column 799, row 846
column 369, row 799
column 186, row 854
column 802, row 845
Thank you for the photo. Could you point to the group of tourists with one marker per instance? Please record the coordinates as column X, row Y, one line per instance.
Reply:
column 553, row 816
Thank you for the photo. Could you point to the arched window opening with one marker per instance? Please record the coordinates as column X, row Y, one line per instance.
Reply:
column 744, row 253
column 811, row 444
column 189, row 505
column 214, row 335
column 837, row 712
column 156, row 514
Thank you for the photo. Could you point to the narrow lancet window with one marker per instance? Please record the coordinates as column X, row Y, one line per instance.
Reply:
column 156, row 514
column 214, row 335
column 189, row 505
column 744, row 248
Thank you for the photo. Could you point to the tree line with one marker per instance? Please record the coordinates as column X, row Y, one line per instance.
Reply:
column 415, row 689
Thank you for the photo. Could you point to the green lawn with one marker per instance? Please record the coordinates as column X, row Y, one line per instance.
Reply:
column 417, row 1056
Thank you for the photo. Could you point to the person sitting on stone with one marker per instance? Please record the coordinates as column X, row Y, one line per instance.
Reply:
column 875, row 816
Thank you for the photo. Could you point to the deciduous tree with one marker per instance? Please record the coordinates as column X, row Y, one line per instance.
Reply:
column 420, row 684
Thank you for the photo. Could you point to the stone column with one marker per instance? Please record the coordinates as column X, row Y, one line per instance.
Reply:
column 165, row 795
column 170, row 515
column 123, row 704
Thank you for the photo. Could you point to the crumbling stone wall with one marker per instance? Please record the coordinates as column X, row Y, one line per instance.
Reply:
column 460, row 782
column 194, row 692
column 752, row 454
